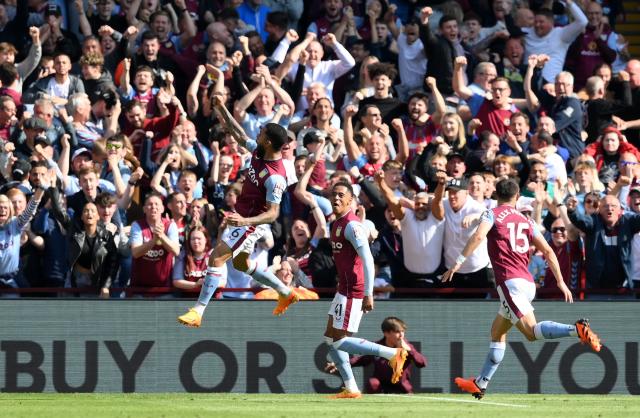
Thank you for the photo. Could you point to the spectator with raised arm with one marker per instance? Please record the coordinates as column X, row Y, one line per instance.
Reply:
column 263, row 97
column 545, row 38
column 420, row 230
column 316, row 70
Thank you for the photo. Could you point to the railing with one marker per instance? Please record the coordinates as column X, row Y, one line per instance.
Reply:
column 578, row 294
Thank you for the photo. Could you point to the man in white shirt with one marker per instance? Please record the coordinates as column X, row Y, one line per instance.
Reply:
column 325, row 72
column 422, row 236
column 544, row 38
column 461, row 215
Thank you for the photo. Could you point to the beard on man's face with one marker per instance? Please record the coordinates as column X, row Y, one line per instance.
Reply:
column 260, row 151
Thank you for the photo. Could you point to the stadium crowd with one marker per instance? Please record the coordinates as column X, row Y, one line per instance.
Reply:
column 118, row 168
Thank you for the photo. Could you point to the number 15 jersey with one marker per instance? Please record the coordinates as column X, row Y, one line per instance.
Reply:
column 508, row 243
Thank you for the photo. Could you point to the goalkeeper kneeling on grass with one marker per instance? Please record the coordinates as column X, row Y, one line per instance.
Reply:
column 393, row 330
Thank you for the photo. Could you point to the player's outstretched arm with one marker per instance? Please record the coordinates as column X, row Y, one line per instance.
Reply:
column 542, row 245
column 227, row 119
column 473, row 243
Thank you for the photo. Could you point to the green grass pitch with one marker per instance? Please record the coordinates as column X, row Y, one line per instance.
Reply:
column 281, row 405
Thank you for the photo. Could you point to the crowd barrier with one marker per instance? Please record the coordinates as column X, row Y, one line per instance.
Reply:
column 128, row 345
column 408, row 292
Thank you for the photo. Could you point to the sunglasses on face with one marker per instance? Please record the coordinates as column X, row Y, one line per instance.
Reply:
column 113, row 145
column 560, row 229
column 591, row 202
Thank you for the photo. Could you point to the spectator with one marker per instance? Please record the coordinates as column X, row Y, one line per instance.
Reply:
column 461, row 214
column 565, row 109
column 57, row 87
column 254, row 13
column 93, row 256
column 263, row 97
column 316, row 70
column 191, row 265
column 441, row 50
column 544, row 38
column 393, row 330
column 13, row 227
column 594, row 46
column 608, row 238
column 284, row 272
column 420, row 230
column 154, row 243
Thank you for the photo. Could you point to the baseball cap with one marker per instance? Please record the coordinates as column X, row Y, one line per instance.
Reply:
column 81, row 151
column 635, row 188
column 20, row 169
column 460, row 183
column 53, row 9
column 35, row 123
column 454, row 154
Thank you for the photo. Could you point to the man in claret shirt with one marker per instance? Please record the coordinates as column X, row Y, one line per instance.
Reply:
column 509, row 235
column 354, row 264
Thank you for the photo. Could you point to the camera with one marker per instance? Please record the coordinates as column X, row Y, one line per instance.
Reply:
column 109, row 98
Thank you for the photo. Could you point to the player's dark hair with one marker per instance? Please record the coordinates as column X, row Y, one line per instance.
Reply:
column 392, row 323
column 344, row 184
column 277, row 135
column 506, row 189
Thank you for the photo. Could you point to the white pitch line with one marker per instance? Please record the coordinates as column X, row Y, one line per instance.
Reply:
column 438, row 398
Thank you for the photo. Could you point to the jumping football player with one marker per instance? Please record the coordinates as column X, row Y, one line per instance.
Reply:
column 258, row 206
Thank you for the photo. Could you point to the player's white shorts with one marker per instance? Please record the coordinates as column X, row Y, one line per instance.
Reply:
column 346, row 313
column 242, row 239
column 516, row 296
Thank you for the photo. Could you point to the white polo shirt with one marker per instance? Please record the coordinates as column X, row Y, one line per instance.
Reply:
column 421, row 242
column 456, row 237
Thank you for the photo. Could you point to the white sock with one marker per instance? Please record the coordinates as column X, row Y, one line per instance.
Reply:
column 351, row 385
column 199, row 307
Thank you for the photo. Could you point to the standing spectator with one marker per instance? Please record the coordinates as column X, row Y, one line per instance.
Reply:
column 544, row 38
column 191, row 265
column 441, row 49
column 56, row 40
column 154, row 244
column 461, row 214
column 93, row 255
column 254, row 13
column 608, row 238
column 564, row 108
column 263, row 97
column 58, row 86
column 596, row 45
column 137, row 124
column 420, row 230
column 316, row 70
column 11, row 228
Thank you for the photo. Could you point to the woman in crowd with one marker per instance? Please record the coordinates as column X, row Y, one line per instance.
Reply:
column 191, row 265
